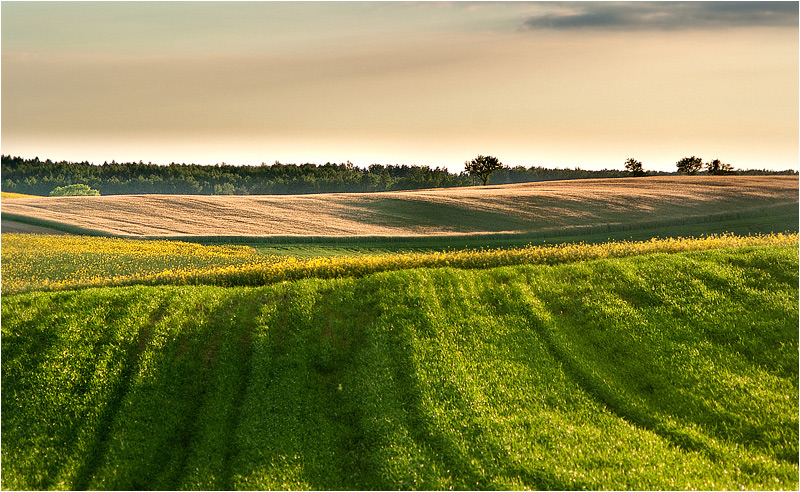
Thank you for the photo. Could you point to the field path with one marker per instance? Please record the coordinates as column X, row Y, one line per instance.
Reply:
column 519, row 208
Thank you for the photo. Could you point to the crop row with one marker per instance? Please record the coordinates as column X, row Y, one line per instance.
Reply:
column 54, row 263
column 668, row 372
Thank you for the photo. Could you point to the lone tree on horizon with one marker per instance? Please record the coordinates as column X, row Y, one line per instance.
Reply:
column 690, row 165
column 482, row 166
column 634, row 167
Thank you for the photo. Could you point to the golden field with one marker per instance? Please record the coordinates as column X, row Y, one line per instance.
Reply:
column 520, row 208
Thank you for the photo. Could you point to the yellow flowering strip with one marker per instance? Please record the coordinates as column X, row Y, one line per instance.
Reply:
column 9, row 195
column 333, row 267
column 96, row 262
column 35, row 262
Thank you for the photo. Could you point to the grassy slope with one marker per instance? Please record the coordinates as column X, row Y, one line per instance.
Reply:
column 652, row 372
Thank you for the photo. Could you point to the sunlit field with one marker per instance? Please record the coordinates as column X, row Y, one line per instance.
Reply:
column 541, row 209
column 405, row 363
column 33, row 262
column 607, row 297
column 631, row 366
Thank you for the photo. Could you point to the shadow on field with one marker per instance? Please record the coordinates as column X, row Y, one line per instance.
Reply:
column 132, row 353
column 421, row 379
column 175, row 402
column 636, row 366
column 453, row 217
column 338, row 400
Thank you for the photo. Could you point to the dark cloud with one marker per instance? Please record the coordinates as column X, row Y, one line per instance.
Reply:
column 663, row 15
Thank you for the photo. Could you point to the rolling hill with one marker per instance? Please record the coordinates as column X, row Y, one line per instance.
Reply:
column 654, row 372
column 667, row 364
column 541, row 208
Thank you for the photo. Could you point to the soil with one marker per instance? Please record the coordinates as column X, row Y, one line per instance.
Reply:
column 19, row 227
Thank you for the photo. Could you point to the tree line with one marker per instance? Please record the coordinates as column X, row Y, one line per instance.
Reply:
column 36, row 177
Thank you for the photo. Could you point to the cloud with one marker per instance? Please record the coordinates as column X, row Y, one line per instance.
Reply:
column 626, row 16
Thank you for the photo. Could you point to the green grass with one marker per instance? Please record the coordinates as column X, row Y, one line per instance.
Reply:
column 664, row 371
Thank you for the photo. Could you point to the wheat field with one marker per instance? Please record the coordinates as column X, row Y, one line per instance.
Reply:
column 520, row 208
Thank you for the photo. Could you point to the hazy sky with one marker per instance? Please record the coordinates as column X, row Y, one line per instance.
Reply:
column 556, row 84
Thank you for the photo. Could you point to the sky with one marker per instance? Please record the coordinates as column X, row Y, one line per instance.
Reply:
column 553, row 84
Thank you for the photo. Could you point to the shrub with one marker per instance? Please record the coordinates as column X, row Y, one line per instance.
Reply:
column 74, row 190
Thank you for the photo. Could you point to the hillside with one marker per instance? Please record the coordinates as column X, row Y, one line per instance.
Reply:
column 543, row 208
column 664, row 371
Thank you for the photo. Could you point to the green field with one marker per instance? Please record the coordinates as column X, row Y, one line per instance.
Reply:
column 583, row 355
column 653, row 371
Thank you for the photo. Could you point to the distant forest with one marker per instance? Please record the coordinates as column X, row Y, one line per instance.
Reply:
column 35, row 177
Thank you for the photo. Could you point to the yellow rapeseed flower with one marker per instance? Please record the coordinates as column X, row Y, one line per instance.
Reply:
column 32, row 262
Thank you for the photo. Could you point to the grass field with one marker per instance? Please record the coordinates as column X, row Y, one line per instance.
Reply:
column 406, row 361
column 529, row 210
column 657, row 371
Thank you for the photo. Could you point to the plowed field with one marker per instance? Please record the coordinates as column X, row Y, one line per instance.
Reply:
column 520, row 208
